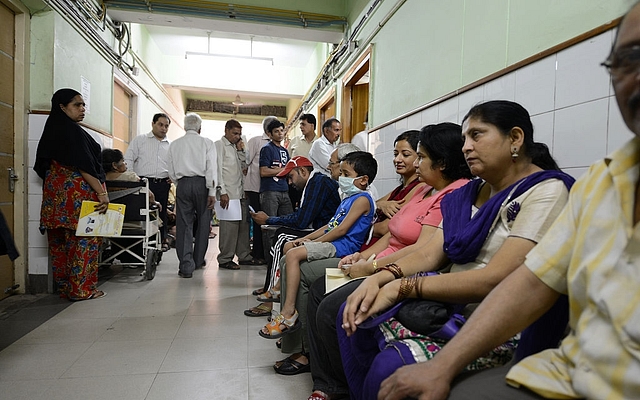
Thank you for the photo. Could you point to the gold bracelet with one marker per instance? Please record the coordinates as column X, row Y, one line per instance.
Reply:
column 375, row 266
column 103, row 194
column 406, row 287
column 393, row 268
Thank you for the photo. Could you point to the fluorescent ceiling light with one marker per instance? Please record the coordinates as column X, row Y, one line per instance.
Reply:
column 210, row 54
column 195, row 53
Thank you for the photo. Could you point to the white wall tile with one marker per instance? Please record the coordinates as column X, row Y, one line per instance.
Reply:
column 401, row 125
column 36, row 126
column 375, row 143
column 38, row 263
column 33, row 146
column 618, row 133
column 579, row 76
column 448, row 110
column 414, row 121
column 543, row 129
column 535, row 86
column 35, row 183
column 576, row 172
column 579, row 136
column 503, row 88
column 468, row 100
column 429, row 116
column 34, row 207
column 35, row 238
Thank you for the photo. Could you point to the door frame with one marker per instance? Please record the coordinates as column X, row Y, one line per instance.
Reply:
column 21, row 137
column 351, row 77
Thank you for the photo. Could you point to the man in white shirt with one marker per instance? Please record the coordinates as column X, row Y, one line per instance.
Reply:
column 234, row 235
column 192, row 166
column 301, row 145
column 252, row 184
column 147, row 157
column 322, row 148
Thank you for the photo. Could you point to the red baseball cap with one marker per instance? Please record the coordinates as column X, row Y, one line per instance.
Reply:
column 295, row 162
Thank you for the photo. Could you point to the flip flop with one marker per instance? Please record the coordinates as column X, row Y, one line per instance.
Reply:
column 95, row 295
column 260, row 310
column 270, row 296
column 258, row 292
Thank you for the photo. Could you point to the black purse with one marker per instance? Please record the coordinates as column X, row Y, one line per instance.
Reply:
column 431, row 318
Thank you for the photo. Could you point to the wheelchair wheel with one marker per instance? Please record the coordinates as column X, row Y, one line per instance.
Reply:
column 151, row 264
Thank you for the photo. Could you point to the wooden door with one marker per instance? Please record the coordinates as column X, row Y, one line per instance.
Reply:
column 7, row 54
column 121, row 117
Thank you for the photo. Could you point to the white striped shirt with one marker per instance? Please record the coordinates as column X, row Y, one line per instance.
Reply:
column 147, row 156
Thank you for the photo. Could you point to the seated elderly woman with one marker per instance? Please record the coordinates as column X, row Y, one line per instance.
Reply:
column 116, row 170
column 488, row 227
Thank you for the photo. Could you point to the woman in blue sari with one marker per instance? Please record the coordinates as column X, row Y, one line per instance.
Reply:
column 488, row 227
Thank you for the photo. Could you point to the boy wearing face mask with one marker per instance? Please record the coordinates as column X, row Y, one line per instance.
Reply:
column 343, row 235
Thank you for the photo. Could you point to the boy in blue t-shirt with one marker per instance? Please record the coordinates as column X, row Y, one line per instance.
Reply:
column 274, row 191
column 343, row 235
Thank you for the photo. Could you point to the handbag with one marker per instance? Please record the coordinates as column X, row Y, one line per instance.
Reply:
column 431, row 318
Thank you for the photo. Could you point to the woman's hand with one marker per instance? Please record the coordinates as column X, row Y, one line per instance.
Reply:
column 361, row 268
column 350, row 259
column 103, row 200
column 359, row 302
column 390, row 207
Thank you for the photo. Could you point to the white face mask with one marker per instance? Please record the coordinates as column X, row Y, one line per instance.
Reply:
column 347, row 186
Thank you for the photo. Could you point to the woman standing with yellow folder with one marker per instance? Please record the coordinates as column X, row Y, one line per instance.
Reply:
column 68, row 161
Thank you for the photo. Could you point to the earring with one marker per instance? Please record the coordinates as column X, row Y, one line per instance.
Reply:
column 514, row 154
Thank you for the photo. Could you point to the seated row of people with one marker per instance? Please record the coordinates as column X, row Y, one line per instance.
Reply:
column 362, row 339
column 479, row 235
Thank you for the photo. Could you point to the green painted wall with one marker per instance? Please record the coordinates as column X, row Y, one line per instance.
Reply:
column 430, row 48
column 41, row 59
column 75, row 58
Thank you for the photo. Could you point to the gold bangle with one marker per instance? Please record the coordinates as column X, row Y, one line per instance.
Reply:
column 102, row 194
column 406, row 287
column 375, row 266
column 393, row 268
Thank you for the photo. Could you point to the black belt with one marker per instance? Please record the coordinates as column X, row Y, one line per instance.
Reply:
column 156, row 180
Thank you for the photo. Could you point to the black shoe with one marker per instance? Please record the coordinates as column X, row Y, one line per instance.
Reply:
column 185, row 275
column 229, row 265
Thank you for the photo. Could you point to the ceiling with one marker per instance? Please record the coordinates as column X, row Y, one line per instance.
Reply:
column 257, row 28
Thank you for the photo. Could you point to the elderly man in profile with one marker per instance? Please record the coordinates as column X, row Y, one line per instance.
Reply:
column 322, row 148
column 234, row 235
column 192, row 166
column 591, row 254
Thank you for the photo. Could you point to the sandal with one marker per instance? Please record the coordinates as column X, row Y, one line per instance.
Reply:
column 318, row 395
column 270, row 296
column 261, row 310
column 289, row 366
column 258, row 292
column 95, row 295
column 280, row 326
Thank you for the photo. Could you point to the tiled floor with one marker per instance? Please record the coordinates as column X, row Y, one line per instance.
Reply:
column 169, row 338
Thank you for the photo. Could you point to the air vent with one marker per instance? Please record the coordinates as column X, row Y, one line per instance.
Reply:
column 228, row 108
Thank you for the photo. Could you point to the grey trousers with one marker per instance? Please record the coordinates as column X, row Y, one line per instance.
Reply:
column 191, row 203
column 309, row 271
column 488, row 385
column 233, row 238
column 276, row 204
